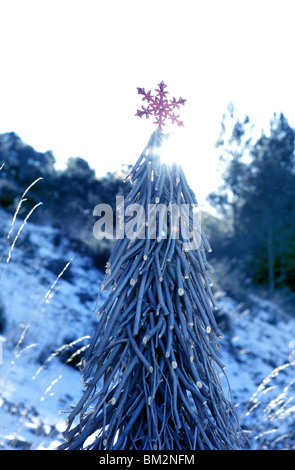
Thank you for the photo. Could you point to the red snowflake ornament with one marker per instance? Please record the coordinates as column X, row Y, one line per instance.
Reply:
column 160, row 106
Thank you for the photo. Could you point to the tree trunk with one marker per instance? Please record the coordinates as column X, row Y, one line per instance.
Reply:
column 270, row 256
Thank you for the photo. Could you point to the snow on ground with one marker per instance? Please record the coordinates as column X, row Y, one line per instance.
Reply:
column 45, row 312
column 259, row 359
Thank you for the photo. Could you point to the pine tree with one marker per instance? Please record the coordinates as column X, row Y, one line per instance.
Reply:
column 152, row 369
column 234, row 144
column 267, row 213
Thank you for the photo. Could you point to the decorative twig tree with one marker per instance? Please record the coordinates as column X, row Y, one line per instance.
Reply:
column 151, row 372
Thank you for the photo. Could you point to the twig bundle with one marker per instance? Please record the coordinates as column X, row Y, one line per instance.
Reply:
column 151, row 370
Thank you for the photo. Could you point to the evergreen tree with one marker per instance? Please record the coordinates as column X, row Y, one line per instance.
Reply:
column 258, row 195
column 234, row 144
column 267, row 215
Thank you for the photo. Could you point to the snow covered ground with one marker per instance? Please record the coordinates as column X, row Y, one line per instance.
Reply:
column 44, row 313
column 259, row 359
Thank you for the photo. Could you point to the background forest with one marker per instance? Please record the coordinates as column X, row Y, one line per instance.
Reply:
column 68, row 196
column 255, row 202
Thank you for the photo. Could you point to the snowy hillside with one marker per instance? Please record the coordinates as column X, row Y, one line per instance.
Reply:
column 44, row 314
column 259, row 359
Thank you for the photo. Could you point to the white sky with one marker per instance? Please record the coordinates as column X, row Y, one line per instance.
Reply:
column 69, row 71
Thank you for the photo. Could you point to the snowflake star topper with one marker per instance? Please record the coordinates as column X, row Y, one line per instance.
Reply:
column 160, row 106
